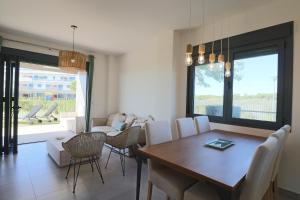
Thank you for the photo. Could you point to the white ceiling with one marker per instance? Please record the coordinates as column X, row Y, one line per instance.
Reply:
column 108, row 25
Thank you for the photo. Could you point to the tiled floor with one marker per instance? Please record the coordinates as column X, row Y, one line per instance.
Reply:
column 32, row 175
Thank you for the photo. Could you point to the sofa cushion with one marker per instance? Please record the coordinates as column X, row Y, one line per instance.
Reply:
column 110, row 131
column 141, row 121
column 129, row 120
column 118, row 125
column 105, row 129
column 118, row 116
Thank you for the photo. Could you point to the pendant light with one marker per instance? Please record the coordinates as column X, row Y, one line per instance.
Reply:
column 189, row 47
column 221, row 57
column 72, row 61
column 201, row 50
column 228, row 64
column 212, row 56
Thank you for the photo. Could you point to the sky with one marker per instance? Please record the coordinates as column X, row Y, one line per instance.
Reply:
column 258, row 75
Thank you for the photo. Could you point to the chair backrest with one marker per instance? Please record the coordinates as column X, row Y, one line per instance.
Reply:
column 185, row 127
column 158, row 132
column 259, row 174
column 287, row 128
column 202, row 124
column 51, row 109
column 85, row 145
column 133, row 136
column 34, row 110
column 281, row 135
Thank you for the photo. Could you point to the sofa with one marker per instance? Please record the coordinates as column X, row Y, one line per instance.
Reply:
column 120, row 123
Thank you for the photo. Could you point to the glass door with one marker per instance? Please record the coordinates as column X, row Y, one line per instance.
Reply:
column 9, row 105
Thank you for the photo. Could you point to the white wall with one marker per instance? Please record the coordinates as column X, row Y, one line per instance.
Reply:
column 145, row 81
column 153, row 77
column 113, row 82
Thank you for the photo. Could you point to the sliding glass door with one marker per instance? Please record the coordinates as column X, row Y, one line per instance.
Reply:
column 9, row 105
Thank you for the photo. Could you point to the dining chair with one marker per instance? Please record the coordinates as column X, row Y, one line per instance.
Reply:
column 257, row 179
column 164, row 178
column 85, row 147
column 281, row 135
column 202, row 124
column 185, row 127
column 119, row 143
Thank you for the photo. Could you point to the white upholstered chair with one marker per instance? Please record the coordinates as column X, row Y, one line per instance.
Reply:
column 164, row 178
column 281, row 135
column 185, row 127
column 257, row 179
column 202, row 124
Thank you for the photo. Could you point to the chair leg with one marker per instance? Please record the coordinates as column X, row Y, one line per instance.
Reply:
column 122, row 159
column 91, row 162
column 75, row 178
column 149, row 195
column 108, row 157
column 99, row 169
column 70, row 163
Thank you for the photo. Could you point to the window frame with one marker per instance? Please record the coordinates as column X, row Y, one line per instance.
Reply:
column 260, row 42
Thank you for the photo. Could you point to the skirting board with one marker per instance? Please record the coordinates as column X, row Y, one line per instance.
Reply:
column 289, row 194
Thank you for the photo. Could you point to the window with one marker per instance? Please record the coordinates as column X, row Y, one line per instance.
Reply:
column 209, row 89
column 255, row 88
column 259, row 91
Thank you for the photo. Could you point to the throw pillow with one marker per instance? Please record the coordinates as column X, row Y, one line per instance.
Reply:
column 118, row 125
column 129, row 120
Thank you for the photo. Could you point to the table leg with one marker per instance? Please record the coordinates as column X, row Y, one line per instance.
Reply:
column 138, row 177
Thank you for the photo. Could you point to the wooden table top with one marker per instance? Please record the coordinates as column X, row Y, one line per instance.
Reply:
column 190, row 156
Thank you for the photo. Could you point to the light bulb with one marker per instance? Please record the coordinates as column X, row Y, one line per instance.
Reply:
column 188, row 59
column 227, row 69
column 73, row 60
column 201, row 59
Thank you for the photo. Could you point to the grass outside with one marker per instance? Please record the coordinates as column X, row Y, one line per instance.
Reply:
column 258, row 107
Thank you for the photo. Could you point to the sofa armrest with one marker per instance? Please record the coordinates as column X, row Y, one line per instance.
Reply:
column 99, row 122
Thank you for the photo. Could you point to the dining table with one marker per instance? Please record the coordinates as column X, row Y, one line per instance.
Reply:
column 225, row 169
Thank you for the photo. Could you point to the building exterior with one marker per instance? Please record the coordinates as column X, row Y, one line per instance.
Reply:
column 47, row 84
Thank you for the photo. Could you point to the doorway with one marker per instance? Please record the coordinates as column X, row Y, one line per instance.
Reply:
column 9, row 105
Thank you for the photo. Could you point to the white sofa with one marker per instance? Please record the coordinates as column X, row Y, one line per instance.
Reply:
column 106, row 124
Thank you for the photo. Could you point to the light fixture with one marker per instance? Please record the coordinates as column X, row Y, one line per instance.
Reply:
column 212, row 56
column 201, row 56
column 227, row 64
column 72, row 61
column 201, row 49
column 221, row 57
column 189, row 47
column 188, row 55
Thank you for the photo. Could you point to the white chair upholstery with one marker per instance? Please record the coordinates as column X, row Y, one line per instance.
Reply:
column 259, row 174
column 201, row 191
column 164, row 178
column 281, row 135
column 185, row 127
column 202, row 124
column 257, row 180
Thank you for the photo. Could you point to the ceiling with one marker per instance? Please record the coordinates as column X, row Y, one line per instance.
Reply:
column 113, row 26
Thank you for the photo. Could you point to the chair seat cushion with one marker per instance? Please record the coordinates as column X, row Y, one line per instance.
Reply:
column 201, row 191
column 110, row 131
column 170, row 181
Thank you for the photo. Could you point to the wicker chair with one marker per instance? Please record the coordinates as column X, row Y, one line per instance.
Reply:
column 118, row 144
column 85, row 147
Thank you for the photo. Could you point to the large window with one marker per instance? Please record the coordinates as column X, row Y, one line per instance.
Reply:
column 255, row 88
column 259, row 91
column 209, row 87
